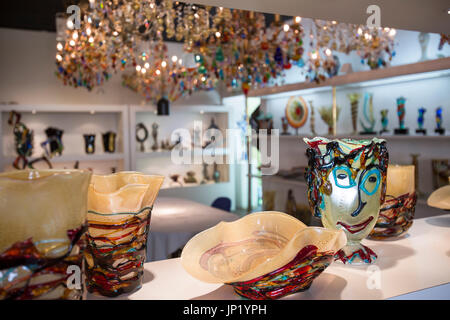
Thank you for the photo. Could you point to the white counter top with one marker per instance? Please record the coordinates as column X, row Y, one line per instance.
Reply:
column 418, row 261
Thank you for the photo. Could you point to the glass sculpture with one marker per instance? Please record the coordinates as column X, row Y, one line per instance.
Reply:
column 42, row 223
column 354, row 103
column 401, row 116
column 109, row 141
column 89, row 143
column 264, row 255
column 439, row 129
column 384, row 121
column 420, row 121
column 397, row 211
column 368, row 120
column 346, row 185
column 119, row 210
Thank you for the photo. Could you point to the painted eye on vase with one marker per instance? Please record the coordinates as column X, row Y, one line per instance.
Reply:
column 343, row 177
column 371, row 181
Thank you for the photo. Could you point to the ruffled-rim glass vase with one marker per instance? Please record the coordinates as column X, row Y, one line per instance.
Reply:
column 119, row 211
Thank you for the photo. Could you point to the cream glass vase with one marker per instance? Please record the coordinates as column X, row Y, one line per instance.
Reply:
column 42, row 222
column 346, row 186
column 119, row 210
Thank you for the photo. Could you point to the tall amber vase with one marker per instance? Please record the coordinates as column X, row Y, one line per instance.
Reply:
column 119, row 210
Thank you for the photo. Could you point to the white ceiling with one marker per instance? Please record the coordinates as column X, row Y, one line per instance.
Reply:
column 419, row 15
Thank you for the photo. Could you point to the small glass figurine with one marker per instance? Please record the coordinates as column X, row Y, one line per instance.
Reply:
column 420, row 121
column 140, row 127
column 109, row 141
column 89, row 143
column 384, row 121
column 369, row 120
column 401, row 116
column 54, row 141
column 285, row 125
column 439, row 128
column 155, row 136
column 354, row 103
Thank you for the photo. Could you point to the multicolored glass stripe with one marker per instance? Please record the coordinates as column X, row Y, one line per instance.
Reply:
column 115, row 260
column 293, row 277
column 396, row 216
column 26, row 274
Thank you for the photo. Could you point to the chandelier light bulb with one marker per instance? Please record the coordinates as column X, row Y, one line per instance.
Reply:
column 218, row 34
column 314, row 55
column 360, row 31
column 163, row 64
column 91, row 39
column 147, row 65
column 59, row 46
column 58, row 57
column 298, row 19
column 138, row 68
column 328, row 51
column 158, row 72
column 69, row 24
column 286, row 28
column 75, row 35
column 88, row 31
column 174, row 59
column 392, row 32
column 143, row 70
column 72, row 43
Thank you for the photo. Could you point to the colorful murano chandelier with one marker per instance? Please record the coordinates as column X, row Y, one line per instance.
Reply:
column 156, row 76
column 374, row 46
column 244, row 52
column 236, row 47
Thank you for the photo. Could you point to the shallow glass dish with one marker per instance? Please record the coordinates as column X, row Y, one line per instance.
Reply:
column 265, row 255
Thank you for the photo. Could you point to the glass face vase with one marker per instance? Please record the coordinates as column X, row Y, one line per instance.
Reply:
column 397, row 211
column 42, row 226
column 119, row 210
column 346, row 185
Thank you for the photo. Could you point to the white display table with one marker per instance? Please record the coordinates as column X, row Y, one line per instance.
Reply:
column 174, row 221
column 420, row 260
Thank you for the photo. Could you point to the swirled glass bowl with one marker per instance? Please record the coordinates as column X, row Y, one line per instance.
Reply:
column 264, row 255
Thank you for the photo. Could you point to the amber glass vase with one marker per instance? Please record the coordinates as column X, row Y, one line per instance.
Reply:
column 42, row 222
column 119, row 210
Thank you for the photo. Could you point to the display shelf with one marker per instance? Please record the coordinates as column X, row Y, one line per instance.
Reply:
column 194, row 185
column 83, row 157
column 75, row 120
column 168, row 153
column 160, row 162
column 387, row 137
column 406, row 265
column 406, row 72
